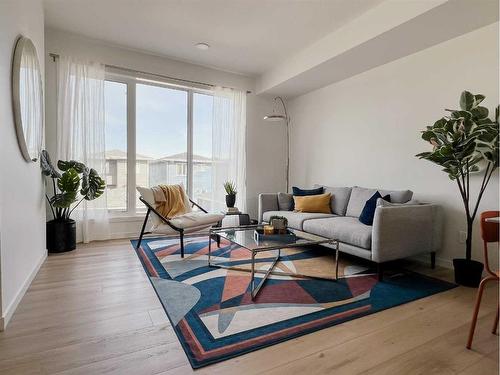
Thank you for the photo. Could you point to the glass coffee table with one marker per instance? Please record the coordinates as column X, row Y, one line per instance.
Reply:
column 244, row 236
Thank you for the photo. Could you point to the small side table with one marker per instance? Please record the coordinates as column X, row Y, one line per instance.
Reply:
column 233, row 219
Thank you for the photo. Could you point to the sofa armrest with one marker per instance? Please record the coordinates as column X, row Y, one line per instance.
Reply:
column 406, row 230
column 267, row 202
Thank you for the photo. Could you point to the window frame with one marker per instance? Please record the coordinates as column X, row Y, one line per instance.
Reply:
column 131, row 81
column 181, row 169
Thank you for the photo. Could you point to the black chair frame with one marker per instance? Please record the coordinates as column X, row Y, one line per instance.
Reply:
column 168, row 222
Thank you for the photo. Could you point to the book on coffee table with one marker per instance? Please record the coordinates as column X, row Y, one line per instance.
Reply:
column 232, row 211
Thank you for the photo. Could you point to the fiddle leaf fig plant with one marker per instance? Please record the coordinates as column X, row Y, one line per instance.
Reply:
column 465, row 142
column 75, row 184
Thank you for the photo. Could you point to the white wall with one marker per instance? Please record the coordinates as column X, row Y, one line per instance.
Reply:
column 22, row 211
column 365, row 130
column 265, row 143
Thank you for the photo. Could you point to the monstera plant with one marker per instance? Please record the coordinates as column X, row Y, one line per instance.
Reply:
column 72, row 184
column 465, row 142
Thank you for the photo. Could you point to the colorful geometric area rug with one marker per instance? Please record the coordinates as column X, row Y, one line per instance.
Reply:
column 215, row 318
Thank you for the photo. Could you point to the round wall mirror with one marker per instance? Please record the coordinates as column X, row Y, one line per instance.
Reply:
column 27, row 98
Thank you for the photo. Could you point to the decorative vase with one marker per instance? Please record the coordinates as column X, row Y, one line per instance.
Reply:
column 230, row 200
column 468, row 272
column 61, row 235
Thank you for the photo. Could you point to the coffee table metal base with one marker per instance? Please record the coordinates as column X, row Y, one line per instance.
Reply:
column 255, row 289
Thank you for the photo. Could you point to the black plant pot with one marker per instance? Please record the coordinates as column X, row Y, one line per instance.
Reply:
column 468, row 272
column 61, row 236
column 230, row 200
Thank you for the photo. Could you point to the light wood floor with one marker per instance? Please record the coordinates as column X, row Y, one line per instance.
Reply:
column 93, row 311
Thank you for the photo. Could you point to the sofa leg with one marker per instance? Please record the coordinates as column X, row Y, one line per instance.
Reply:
column 380, row 272
column 433, row 259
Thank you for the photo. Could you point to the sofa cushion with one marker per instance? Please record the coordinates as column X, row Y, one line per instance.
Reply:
column 359, row 196
column 285, row 202
column 340, row 198
column 383, row 203
column 345, row 229
column 295, row 219
column 398, row 196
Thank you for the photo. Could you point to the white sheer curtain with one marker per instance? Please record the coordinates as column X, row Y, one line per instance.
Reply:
column 81, row 134
column 228, row 145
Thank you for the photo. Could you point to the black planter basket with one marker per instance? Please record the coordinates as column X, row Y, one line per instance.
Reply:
column 61, row 235
column 230, row 200
column 468, row 272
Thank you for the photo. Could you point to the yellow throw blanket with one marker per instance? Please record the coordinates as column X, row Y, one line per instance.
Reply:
column 170, row 200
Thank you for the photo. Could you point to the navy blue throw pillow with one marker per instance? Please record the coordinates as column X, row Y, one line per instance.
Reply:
column 303, row 192
column 368, row 212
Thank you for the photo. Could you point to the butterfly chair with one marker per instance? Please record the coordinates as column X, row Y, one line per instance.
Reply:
column 189, row 222
column 489, row 233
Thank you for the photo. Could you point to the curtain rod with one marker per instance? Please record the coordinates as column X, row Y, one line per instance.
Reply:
column 56, row 56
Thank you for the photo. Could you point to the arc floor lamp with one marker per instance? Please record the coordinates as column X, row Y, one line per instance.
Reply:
column 275, row 117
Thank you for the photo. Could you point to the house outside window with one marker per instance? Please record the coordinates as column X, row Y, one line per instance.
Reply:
column 111, row 172
column 181, row 169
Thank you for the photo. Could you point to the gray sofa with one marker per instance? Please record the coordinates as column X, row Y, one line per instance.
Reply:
column 400, row 229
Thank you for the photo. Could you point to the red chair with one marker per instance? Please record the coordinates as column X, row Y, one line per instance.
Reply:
column 489, row 233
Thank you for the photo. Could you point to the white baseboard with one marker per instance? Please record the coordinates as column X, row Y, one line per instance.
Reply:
column 9, row 311
column 442, row 262
column 120, row 235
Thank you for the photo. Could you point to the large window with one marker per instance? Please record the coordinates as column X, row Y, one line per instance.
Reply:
column 115, row 101
column 161, row 135
column 202, row 150
column 156, row 134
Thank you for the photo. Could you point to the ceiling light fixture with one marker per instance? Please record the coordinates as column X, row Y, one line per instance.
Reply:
column 202, row 46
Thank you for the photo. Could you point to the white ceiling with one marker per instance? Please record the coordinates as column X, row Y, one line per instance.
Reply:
column 389, row 31
column 246, row 36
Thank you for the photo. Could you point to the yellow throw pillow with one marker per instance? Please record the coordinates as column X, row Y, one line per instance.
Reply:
column 313, row 203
